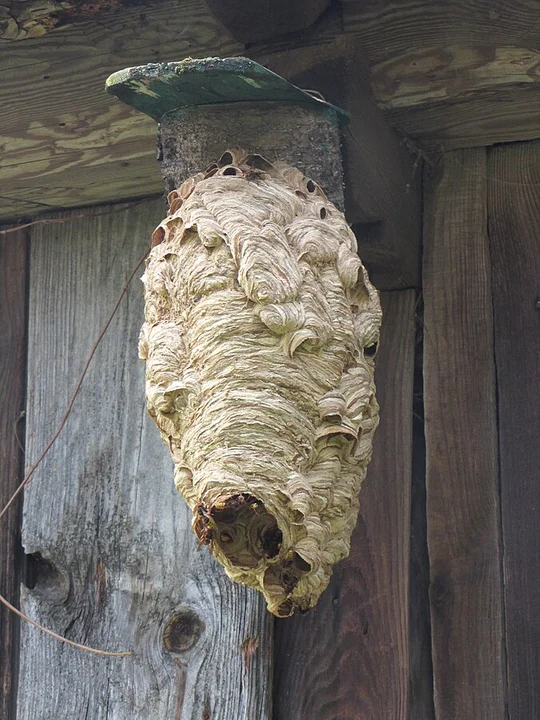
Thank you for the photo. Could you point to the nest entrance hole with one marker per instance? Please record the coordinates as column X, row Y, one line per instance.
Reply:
column 241, row 527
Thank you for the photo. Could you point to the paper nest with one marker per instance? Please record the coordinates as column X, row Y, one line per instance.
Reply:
column 261, row 327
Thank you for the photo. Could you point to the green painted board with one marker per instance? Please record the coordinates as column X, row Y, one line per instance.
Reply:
column 159, row 88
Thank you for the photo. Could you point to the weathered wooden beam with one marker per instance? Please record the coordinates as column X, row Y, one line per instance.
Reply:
column 64, row 145
column 349, row 657
column 249, row 21
column 387, row 29
column 382, row 177
column 462, row 482
column 513, row 172
column 452, row 74
column 13, row 276
column 115, row 563
column 451, row 96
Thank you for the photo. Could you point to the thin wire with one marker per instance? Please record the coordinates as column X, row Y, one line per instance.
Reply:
column 75, row 393
column 52, row 221
column 44, row 452
column 96, row 651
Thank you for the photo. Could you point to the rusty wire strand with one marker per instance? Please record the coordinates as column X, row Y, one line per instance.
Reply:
column 79, row 216
column 44, row 452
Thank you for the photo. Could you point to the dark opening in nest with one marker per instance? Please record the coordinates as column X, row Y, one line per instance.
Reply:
column 242, row 528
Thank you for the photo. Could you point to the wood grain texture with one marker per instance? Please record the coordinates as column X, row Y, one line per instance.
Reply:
column 495, row 115
column 349, row 657
column 514, row 219
column 450, row 73
column 59, row 129
column 386, row 28
column 454, row 96
column 453, row 74
column 461, row 444
column 118, row 558
column 13, row 272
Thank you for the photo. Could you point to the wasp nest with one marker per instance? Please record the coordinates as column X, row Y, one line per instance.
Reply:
column 261, row 326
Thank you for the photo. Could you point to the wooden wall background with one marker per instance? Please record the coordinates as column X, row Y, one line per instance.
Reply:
column 434, row 615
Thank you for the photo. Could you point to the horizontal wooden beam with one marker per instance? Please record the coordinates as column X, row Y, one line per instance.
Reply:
column 387, row 29
column 453, row 96
column 64, row 143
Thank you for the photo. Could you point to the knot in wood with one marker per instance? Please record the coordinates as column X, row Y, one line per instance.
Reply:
column 182, row 631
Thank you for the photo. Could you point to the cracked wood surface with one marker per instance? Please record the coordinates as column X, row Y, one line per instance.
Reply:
column 118, row 566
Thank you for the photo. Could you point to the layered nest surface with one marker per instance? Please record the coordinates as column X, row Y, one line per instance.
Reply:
column 260, row 335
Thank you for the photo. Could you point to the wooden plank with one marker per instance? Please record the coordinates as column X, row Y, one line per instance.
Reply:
column 349, row 657
column 494, row 115
column 514, row 218
column 433, row 74
column 134, row 174
column 59, row 128
column 461, row 442
column 115, row 562
column 386, row 28
column 14, row 207
column 452, row 74
column 13, row 272
column 455, row 96
column 470, row 80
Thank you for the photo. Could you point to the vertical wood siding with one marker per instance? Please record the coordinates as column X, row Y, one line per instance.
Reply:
column 13, row 271
column 514, row 231
column 462, row 479
column 115, row 560
column 349, row 657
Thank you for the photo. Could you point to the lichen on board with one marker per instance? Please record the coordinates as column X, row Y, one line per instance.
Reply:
column 260, row 331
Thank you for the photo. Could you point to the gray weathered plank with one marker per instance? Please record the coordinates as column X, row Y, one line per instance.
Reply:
column 102, row 511
column 462, row 481
column 514, row 219
column 349, row 656
column 13, row 275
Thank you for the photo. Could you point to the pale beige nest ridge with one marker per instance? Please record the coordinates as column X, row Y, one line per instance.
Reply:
column 261, row 326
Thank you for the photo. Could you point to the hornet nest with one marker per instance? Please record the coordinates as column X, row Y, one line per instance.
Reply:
column 261, row 327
